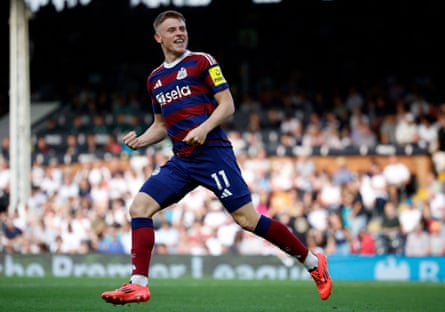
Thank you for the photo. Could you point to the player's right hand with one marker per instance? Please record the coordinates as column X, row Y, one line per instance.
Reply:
column 131, row 140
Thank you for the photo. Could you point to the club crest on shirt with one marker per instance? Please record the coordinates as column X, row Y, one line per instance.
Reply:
column 182, row 73
column 217, row 76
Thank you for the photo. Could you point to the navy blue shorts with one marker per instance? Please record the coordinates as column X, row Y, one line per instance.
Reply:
column 214, row 168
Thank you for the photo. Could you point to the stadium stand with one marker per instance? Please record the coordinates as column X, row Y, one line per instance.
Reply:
column 83, row 177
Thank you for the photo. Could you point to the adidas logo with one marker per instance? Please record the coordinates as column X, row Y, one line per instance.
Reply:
column 182, row 73
column 158, row 84
column 226, row 193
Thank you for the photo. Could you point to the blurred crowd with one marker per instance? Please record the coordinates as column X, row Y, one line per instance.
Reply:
column 80, row 197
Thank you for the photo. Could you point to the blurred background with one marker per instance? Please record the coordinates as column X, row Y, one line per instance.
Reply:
column 329, row 43
column 339, row 130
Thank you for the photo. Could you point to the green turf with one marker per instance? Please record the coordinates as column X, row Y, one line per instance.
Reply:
column 182, row 295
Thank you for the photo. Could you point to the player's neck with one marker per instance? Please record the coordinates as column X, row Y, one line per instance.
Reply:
column 171, row 59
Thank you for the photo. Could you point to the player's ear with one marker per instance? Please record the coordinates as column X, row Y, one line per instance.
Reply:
column 157, row 37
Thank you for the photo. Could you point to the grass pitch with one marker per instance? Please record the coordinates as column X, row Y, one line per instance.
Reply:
column 183, row 295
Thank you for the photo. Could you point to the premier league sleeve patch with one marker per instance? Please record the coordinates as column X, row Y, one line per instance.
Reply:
column 217, row 76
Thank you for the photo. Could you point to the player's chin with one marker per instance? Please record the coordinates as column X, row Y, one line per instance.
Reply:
column 180, row 48
column 180, row 51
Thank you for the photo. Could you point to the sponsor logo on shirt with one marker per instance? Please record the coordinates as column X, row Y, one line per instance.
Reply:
column 173, row 95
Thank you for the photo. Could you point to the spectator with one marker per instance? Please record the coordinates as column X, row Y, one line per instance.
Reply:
column 263, row 201
column 398, row 177
column 362, row 135
column 345, row 137
column 73, row 148
column 78, row 125
column 342, row 175
column 68, row 189
column 377, row 110
column 305, row 171
column 339, row 237
column 71, row 241
column 427, row 133
column 313, row 137
column 354, row 99
column 318, row 217
column 84, row 188
column 35, row 235
column 254, row 122
column 36, row 200
column 406, row 130
column 298, row 222
column 239, row 145
column 126, row 236
column 51, row 181
column 358, row 119
column 379, row 186
column 390, row 239
column 409, row 217
column 317, row 240
column 227, row 234
column 99, row 126
column 91, row 144
column 437, row 238
column 436, row 203
column 363, row 244
column 56, row 246
column 5, row 178
column 352, row 212
column 417, row 243
column 330, row 195
column 214, row 246
column 42, row 147
column 113, row 146
column 81, row 225
column 249, row 104
column 37, row 173
column 4, row 149
column 333, row 138
column 273, row 120
column 111, row 243
column 52, row 127
column 387, row 129
column 419, row 107
column 290, row 124
column 339, row 109
column 439, row 148
column 117, row 185
column 216, row 215
column 13, row 236
column 167, row 235
column 252, row 245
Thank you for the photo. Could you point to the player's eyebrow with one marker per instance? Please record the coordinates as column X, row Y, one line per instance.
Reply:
column 173, row 28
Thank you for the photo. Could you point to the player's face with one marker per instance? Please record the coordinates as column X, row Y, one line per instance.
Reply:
column 173, row 37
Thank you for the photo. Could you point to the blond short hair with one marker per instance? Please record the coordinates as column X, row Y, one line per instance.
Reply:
column 166, row 14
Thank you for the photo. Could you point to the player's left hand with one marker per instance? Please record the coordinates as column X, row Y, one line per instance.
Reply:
column 196, row 136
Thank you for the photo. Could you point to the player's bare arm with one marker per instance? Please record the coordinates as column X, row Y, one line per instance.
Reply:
column 223, row 111
column 154, row 134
